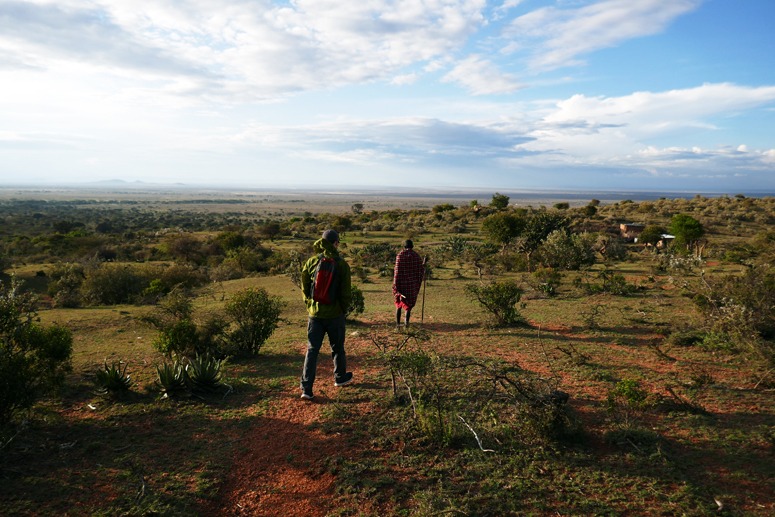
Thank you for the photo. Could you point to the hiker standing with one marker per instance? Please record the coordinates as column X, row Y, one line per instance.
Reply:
column 325, row 284
column 408, row 275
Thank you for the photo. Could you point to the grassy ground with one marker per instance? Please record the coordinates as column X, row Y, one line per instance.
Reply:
column 83, row 453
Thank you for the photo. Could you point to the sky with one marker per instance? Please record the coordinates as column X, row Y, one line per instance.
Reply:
column 658, row 95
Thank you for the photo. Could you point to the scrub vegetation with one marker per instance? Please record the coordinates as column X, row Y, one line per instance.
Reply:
column 152, row 347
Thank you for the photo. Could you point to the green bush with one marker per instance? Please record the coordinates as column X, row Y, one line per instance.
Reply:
column 112, row 284
column 375, row 255
column 568, row 251
column 610, row 282
column 179, row 338
column 33, row 358
column 179, row 335
column 546, row 280
column 65, row 285
column 627, row 401
column 357, row 302
column 500, row 299
column 254, row 315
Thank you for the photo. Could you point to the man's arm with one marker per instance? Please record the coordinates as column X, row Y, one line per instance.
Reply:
column 345, row 294
column 306, row 281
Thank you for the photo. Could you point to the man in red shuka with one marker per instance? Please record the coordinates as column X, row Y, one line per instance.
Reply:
column 407, row 279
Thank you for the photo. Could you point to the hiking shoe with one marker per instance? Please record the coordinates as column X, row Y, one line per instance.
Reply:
column 346, row 379
column 307, row 395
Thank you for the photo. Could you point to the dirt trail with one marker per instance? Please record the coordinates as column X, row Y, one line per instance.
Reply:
column 282, row 467
column 281, row 470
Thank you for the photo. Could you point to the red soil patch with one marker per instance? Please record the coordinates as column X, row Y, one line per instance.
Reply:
column 283, row 468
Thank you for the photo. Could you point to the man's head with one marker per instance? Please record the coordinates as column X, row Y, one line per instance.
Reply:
column 408, row 244
column 331, row 236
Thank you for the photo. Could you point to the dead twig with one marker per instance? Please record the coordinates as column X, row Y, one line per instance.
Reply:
column 478, row 440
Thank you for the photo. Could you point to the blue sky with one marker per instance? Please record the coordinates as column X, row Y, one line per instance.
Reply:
column 666, row 95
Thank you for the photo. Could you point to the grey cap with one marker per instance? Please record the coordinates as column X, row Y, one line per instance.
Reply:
column 331, row 236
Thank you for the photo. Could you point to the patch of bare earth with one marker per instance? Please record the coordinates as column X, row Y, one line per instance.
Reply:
column 283, row 465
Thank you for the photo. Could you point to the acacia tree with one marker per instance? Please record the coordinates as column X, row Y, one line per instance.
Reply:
column 537, row 228
column 499, row 201
column 687, row 231
column 502, row 228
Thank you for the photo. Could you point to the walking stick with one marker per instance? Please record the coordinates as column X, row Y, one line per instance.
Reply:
column 424, row 281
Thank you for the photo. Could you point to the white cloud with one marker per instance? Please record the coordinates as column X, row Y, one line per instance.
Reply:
column 250, row 49
column 401, row 80
column 646, row 114
column 481, row 77
column 560, row 37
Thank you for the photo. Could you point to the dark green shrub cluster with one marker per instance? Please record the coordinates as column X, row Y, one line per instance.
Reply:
column 567, row 251
column 375, row 255
column 253, row 316
column 609, row 282
column 500, row 300
column 74, row 284
column 250, row 316
column 546, row 280
column 33, row 358
column 357, row 302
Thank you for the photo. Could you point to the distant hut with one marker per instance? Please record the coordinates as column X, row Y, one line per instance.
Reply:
column 630, row 231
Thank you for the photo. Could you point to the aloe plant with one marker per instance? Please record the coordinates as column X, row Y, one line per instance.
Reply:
column 113, row 379
column 204, row 374
column 171, row 378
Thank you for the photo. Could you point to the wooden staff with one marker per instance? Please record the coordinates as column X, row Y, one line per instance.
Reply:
column 424, row 278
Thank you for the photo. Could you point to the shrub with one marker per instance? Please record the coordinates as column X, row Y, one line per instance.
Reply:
column 500, row 299
column 499, row 201
column 547, row 280
column 179, row 338
column 254, row 315
column 179, row 335
column 614, row 249
column 610, row 282
column 502, row 228
column 33, row 358
column 569, row 251
column 626, row 400
column 357, row 302
column 685, row 338
column 376, row 255
column 742, row 309
column 65, row 285
column 110, row 284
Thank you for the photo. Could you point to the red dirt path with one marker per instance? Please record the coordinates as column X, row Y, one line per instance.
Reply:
column 283, row 467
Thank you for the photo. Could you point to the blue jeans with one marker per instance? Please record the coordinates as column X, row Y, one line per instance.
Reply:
column 317, row 328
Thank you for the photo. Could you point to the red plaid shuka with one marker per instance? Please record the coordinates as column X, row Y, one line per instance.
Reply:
column 407, row 278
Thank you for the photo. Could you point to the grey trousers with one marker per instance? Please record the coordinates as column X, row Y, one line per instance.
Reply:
column 317, row 328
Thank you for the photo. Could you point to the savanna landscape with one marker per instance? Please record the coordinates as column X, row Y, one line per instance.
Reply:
column 566, row 356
